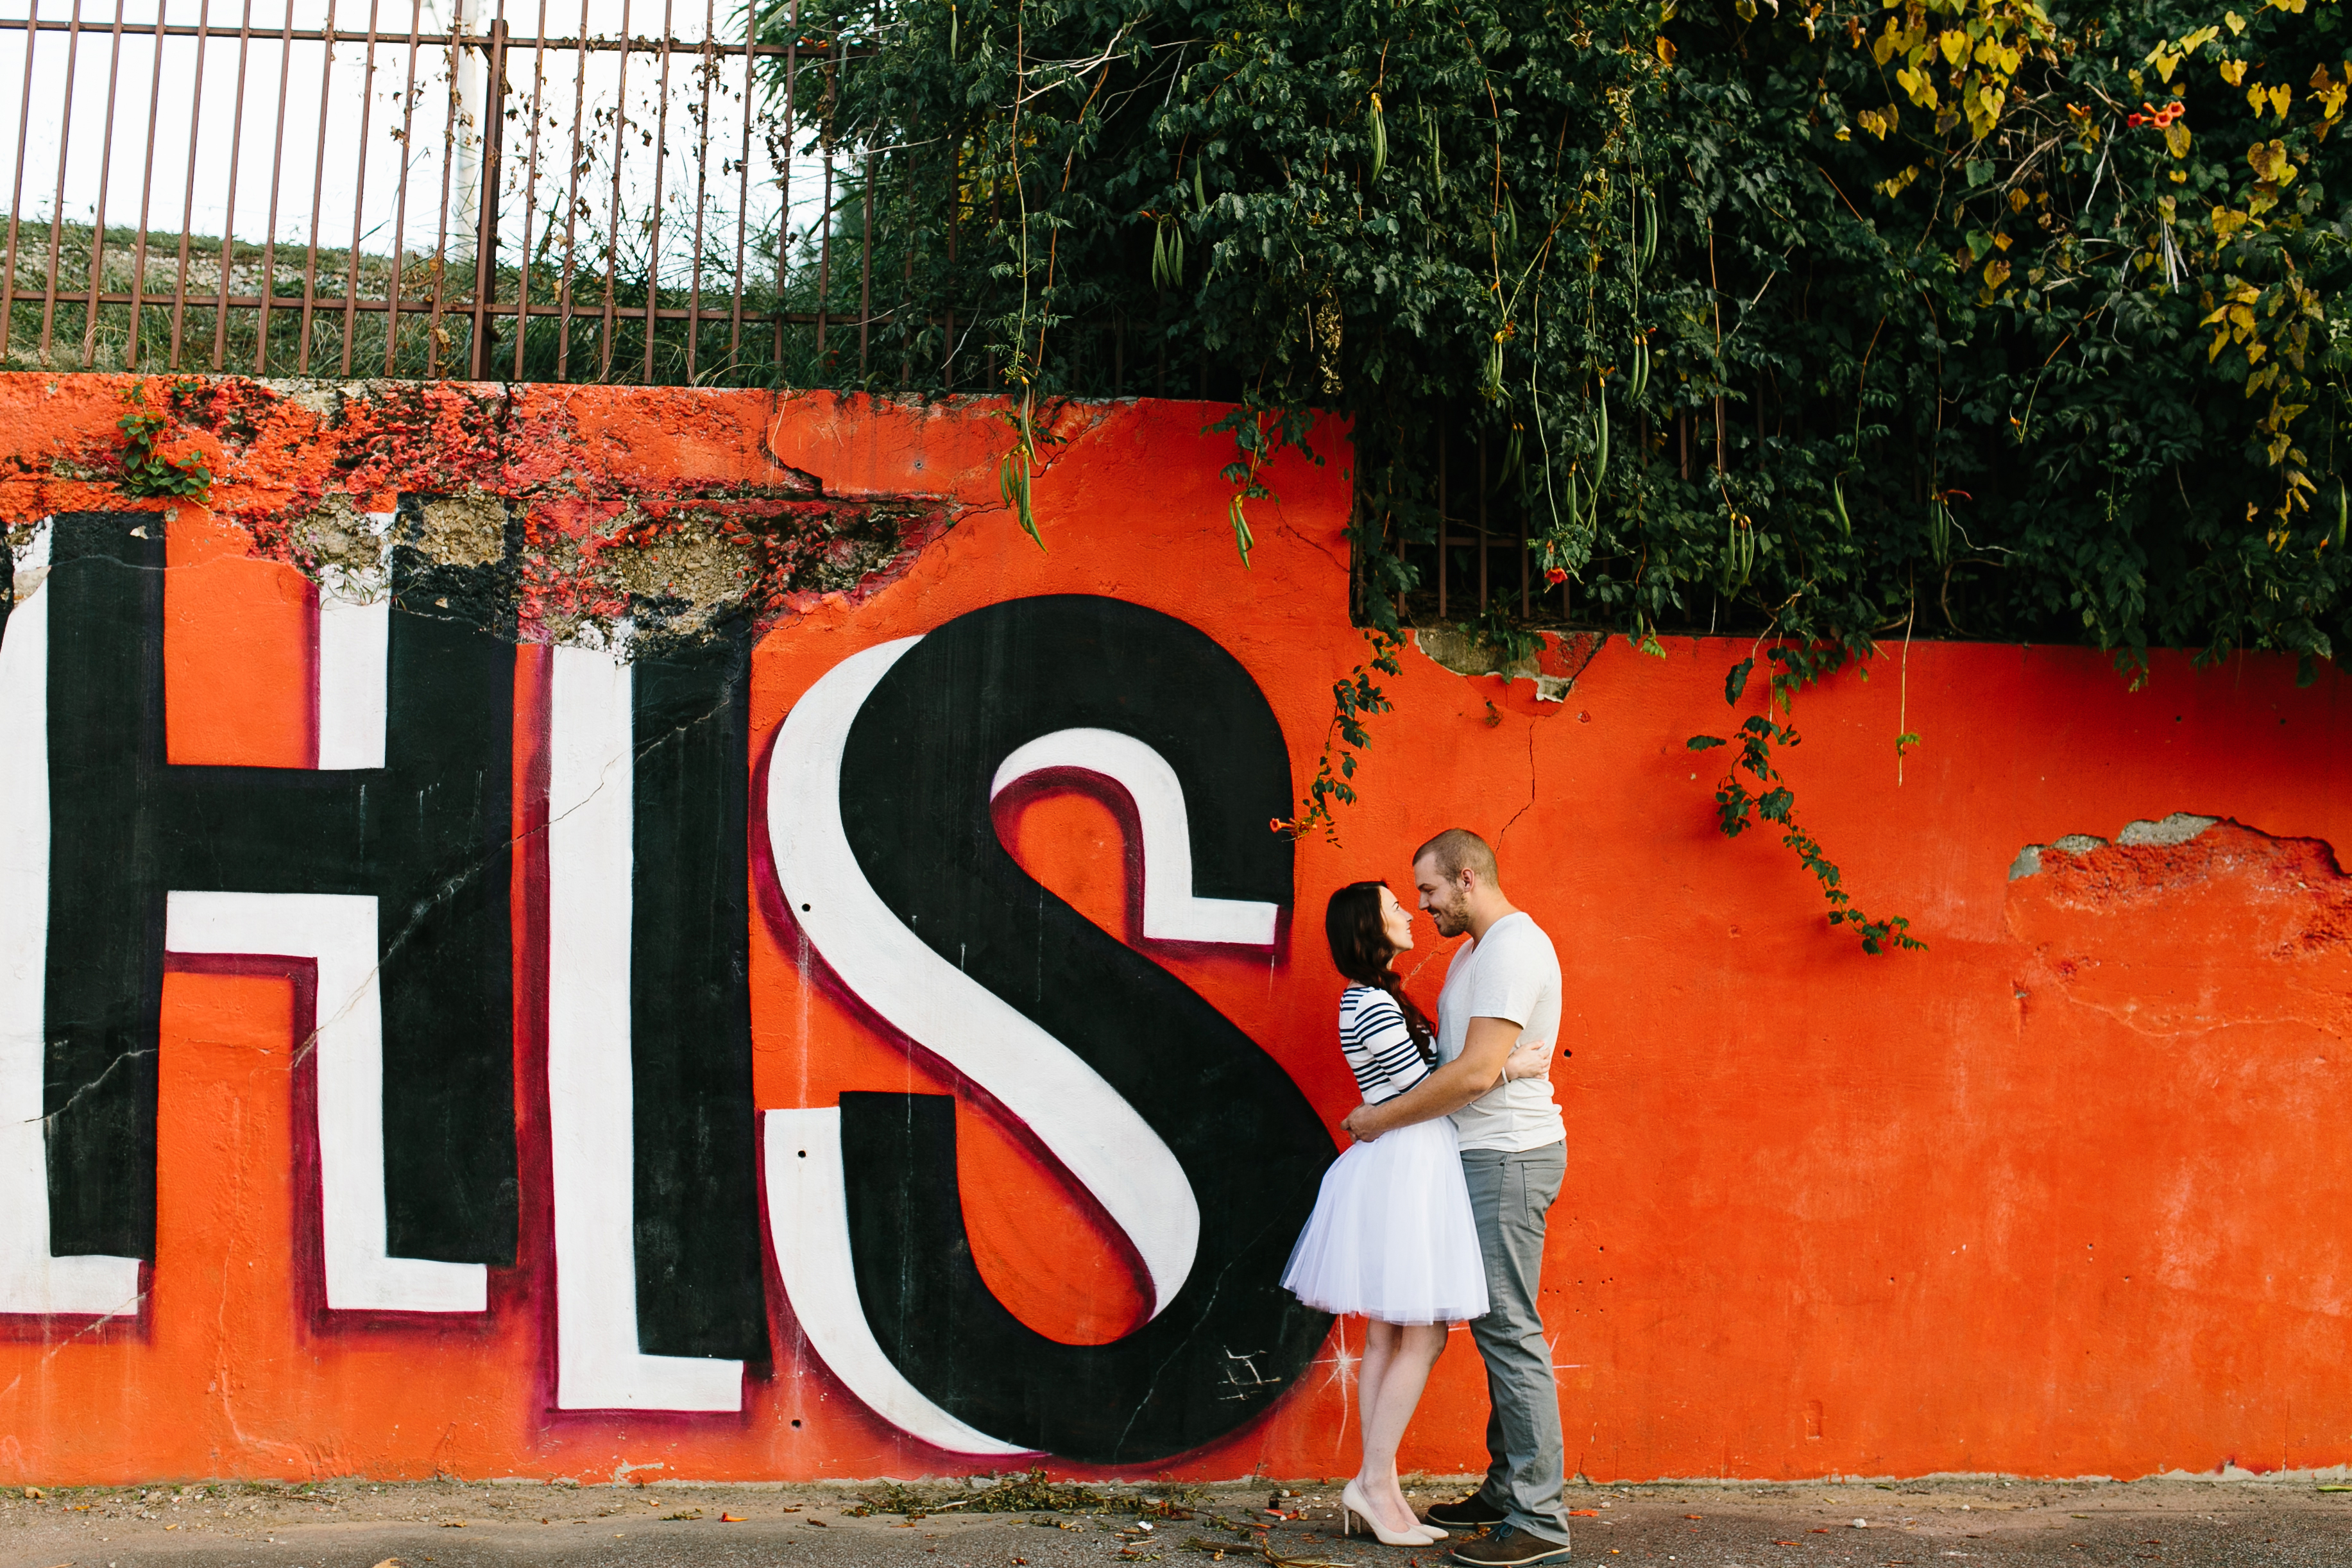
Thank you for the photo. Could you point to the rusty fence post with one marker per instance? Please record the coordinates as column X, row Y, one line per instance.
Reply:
column 485, row 231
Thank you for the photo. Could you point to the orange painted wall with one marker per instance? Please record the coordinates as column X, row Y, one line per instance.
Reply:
column 2053, row 1197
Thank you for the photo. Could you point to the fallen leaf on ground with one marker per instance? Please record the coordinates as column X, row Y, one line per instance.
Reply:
column 1584, row 1513
column 730, row 1519
column 452, row 1524
column 389, row 1562
column 818, row 1522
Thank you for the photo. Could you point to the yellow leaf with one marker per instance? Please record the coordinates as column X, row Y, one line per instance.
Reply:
column 1666, row 50
column 1996, row 273
column 2255, row 98
column 1916, row 83
column 2009, row 60
column 2279, row 98
column 2000, row 242
column 2019, row 201
column 2242, row 319
column 2236, row 22
column 2164, row 64
column 1955, row 45
column 2226, row 224
column 2221, row 342
column 2266, row 159
column 2255, row 351
column 2294, row 8
column 2234, row 71
column 2176, row 139
column 2199, row 40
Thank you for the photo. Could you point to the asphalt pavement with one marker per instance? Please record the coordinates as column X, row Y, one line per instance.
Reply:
column 1962, row 1521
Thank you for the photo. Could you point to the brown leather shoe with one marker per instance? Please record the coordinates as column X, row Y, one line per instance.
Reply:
column 1505, row 1547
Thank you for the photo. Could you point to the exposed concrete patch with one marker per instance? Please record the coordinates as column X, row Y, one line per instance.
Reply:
column 2179, row 828
column 469, row 530
column 337, row 537
column 1466, row 653
column 684, row 578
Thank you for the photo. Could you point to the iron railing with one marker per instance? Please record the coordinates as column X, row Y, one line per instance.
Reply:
column 534, row 190
column 411, row 188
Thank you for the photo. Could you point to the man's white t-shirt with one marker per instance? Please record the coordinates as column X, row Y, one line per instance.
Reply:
column 1512, row 973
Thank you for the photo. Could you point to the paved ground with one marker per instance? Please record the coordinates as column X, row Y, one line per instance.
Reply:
column 1957, row 1522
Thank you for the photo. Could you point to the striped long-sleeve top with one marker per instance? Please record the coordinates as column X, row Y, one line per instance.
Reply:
column 1378, row 1044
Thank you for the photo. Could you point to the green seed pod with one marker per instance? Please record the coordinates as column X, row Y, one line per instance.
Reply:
column 1601, row 420
column 1837, row 492
column 1377, row 128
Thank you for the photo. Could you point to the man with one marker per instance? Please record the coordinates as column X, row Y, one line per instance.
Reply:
column 1501, row 990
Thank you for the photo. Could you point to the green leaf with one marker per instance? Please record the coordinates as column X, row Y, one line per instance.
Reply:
column 1704, row 742
column 1735, row 683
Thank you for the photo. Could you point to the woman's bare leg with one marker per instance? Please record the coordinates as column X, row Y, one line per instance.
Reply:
column 1408, row 1352
column 1371, row 1370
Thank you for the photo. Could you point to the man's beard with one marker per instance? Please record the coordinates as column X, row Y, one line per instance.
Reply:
column 1451, row 919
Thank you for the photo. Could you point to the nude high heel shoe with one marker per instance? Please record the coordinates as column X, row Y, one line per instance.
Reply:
column 1351, row 1506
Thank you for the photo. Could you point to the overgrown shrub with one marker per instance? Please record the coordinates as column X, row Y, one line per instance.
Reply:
column 1958, row 315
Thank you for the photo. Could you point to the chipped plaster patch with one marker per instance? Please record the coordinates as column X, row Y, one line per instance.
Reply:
column 469, row 530
column 1466, row 653
column 336, row 539
column 690, row 565
column 24, row 542
column 2179, row 828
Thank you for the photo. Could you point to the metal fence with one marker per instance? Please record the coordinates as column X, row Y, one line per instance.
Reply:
column 535, row 190
column 422, row 188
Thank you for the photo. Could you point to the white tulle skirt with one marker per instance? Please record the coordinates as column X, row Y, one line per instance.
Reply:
column 1391, row 1235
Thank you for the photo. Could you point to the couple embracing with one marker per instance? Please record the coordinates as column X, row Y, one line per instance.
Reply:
column 1435, row 1216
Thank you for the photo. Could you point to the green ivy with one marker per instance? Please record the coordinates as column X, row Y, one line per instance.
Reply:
column 1803, row 321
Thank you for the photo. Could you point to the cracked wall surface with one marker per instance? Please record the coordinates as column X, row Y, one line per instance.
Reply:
column 2049, row 1197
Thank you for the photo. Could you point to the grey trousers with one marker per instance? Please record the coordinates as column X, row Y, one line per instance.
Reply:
column 1510, row 1196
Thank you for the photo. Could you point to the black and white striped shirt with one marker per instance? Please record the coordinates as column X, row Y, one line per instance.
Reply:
column 1378, row 1044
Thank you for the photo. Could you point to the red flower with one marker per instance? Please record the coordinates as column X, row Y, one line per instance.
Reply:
column 2136, row 120
column 1555, row 577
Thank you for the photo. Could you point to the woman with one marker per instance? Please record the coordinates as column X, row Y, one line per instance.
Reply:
column 1392, row 1237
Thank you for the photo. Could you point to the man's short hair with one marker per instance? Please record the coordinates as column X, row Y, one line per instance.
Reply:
column 1456, row 850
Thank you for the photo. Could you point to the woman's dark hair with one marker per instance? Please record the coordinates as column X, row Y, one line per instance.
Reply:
column 1361, row 950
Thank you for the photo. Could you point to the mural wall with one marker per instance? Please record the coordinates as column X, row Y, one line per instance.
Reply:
column 601, row 933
